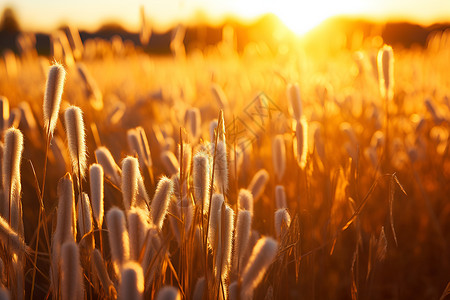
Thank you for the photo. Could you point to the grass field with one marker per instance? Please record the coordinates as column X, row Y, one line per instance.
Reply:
column 296, row 173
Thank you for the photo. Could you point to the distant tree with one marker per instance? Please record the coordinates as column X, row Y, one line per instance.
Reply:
column 9, row 21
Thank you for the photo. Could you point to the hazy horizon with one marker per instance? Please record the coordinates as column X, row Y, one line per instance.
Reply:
column 48, row 15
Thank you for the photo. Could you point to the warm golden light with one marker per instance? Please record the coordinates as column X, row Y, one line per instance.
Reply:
column 302, row 16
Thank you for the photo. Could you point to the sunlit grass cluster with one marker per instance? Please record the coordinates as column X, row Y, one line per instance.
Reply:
column 207, row 174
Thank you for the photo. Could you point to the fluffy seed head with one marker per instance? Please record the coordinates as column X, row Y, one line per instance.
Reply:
column 386, row 72
column 258, row 183
column 106, row 160
column 221, row 167
column 168, row 293
column 279, row 156
column 84, row 215
column 201, row 179
column 130, row 175
column 280, row 197
column 66, row 217
column 223, row 252
column 245, row 200
column 138, row 226
column 242, row 236
column 52, row 97
column 12, row 156
column 301, row 142
column 282, row 221
column 262, row 256
column 214, row 220
column 161, row 200
column 71, row 273
column 295, row 101
column 11, row 238
column 199, row 289
column 118, row 236
column 96, row 184
column 192, row 121
column 132, row 283
column 76, row 139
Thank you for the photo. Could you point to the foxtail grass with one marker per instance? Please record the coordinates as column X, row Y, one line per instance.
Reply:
column 72, row 287
column 12, row 156
column 258, row 183
column 160, row 202
column 201, row 179
column 130, row 175
column 262, row 256
column 168, row 293
column 279, row 156
column 280, row 197
column 132, row 282
column 118, row 238
column 242, row 236
column 111, row 169
column 295, row 101
column 52, row 97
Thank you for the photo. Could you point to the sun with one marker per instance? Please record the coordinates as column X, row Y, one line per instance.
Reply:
column 301, row 16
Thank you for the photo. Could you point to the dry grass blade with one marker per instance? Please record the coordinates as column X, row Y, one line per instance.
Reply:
column 391, row 203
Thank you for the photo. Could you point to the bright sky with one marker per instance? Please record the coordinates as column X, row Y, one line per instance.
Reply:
column 300, row 15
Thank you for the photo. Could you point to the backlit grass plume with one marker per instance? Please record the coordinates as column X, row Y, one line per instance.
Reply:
column 12, row 156
column 97, row 189
column 295, row 101
column 258, row 183
column 168, row 293
column 52, row 98
column 65, row 224
column 118, row 237
column 279, row 156
column 201, row 179
column 282, row 221
column 71, row 272
column 11, row 240
column 301, row 142
column 75, row 132
column 160, row 202
column 386, row 72
column 130, row 175
column 132, row 282
column 280, row 197
column 242, row 236
column 223, row 252
column 217, row 201
column 137, row 227
column 221, row 167
column 111, row 169
column 262, row 256
column 192, row 120
column 245, row 200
